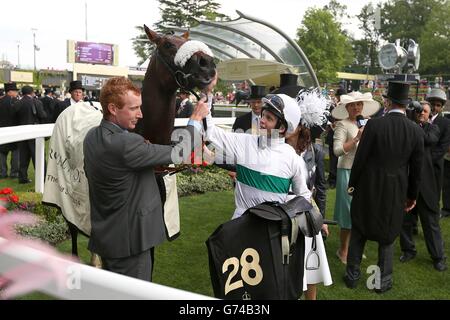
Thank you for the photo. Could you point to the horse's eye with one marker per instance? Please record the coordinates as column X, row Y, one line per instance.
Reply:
column 168, row 45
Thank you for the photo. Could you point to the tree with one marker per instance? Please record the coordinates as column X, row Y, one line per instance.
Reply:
column 327, row 48
column 435, row 43
column 366, row 49
column 179, row 13
column 405, row 19
column 338, row 10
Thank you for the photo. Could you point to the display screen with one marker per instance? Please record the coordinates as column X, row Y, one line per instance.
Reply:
column 96, row 53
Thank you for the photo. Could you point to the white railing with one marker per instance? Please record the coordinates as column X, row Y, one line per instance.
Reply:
column 28, row 132
column 40, row 131
column 80, row 281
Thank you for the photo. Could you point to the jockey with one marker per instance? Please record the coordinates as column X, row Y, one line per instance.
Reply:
column 266, row 166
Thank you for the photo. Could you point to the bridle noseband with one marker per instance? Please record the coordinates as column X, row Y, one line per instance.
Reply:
column 178, row 75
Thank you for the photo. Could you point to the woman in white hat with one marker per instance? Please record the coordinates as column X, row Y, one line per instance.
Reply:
column 347, row 134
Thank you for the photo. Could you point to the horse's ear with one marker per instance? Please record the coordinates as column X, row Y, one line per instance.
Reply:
column 186, row 35
column 152, row 35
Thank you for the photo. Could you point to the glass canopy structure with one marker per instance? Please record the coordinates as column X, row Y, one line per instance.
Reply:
column 248, row 39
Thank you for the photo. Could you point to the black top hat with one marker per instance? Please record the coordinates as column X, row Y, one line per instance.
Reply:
column 288, row 85
column 11, row 86
column 257, row 92
column 74, row 85
column 398, row 92
column 27, row 90
column 340, row 91
column 288, row 79
column 48, row 90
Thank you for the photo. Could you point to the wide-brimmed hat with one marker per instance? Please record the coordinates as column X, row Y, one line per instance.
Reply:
column 11, row 86
column 257, row 92
column 288, row 85
column 398, row 92
column 74, row 85
column 370, row 106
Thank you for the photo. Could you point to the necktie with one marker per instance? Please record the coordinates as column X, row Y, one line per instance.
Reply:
column 255, row 126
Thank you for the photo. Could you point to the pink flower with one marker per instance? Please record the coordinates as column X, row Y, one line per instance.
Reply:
column 3, row 210
column 51, row 268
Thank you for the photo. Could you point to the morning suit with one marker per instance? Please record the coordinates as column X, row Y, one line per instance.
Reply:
column 60, row 106
column 8, row 119
column 440, row 149
column 243, row 122
column 49, row 104
column 427, row 207
column 386, row 171
column 28, row 110
column 126, row 209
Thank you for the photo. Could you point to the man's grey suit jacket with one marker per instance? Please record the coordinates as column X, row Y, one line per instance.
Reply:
column 126, row 211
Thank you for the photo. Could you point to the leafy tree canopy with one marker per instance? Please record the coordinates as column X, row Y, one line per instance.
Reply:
column 322, row 40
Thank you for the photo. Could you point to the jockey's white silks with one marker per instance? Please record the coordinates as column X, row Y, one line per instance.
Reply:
column 187, row 49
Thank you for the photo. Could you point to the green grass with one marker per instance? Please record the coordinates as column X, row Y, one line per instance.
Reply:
column 183, row 263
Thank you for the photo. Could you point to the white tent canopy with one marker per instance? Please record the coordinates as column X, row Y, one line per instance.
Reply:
column 262, row 72
column 257, row 47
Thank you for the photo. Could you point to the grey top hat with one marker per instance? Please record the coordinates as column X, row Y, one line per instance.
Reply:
column 437, row 94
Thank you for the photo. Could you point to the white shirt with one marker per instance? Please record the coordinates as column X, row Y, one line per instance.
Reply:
column 72, row 102
column 263, row 173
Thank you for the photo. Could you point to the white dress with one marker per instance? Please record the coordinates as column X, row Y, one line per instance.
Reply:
column 322, row 274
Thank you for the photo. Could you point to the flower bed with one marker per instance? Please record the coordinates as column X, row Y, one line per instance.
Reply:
column 52, row 227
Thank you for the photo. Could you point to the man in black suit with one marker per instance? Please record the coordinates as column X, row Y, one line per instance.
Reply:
column 49, row 102
column 437, row 99
column 29, row 110
column 384, row 183
column 427, row 208
column 126, row 210
column 184, row 105
column 7, row 119
column 249, row 122
column 76, row 95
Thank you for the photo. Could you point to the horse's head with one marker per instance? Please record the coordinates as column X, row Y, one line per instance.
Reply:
column 190, row 62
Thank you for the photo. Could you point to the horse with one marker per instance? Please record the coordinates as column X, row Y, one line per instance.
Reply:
column 169, row 69
column 165, row 75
